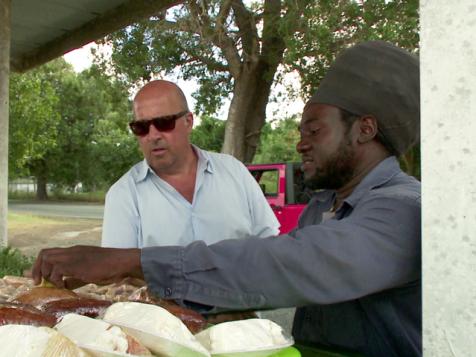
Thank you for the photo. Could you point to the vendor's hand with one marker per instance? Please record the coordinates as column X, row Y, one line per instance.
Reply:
column 87, row 263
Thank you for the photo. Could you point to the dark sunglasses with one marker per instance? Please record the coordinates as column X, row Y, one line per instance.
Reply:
column 165, row 123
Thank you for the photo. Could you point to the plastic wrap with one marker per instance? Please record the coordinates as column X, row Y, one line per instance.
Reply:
column 82, row 306
column 97, row 335
column 38, row 296
column 19, row 314
column 32, row 341
column 253, row 337
column 156, row 328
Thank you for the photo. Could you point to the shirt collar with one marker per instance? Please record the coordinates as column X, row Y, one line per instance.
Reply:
column 204, row 163
column 204, row 159
column 379, row 175
column 142, row 171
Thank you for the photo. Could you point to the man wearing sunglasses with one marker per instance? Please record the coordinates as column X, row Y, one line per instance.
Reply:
column 179, row 193
column 352, row 266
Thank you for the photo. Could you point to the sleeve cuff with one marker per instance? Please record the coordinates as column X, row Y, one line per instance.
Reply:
column 163, row 271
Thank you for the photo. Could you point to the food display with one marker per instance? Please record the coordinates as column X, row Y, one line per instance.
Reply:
column 38, row 296
column 159, row 330
column 33, row 341
column 192, row 319
column 122, row 319
column 97, row 335
column 80, row 305
column 21, row 314
column 125, row 291
column 258, row 336
column 13, row 286
column 113, row 292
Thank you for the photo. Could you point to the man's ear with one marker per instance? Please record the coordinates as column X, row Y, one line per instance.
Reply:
column 189, row 121
column 368, row 128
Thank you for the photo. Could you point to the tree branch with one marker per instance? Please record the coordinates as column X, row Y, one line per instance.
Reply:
column 247, row 26
column 272, row 41
column 217, row 36
column 211, row 64
column 223, row 13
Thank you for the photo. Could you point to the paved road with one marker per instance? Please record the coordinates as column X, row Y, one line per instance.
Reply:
column 58, row 209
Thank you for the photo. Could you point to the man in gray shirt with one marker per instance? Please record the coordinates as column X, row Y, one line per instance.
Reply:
column 353, row 264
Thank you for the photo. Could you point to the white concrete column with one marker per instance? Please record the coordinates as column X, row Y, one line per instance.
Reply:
column 5, row 7
column 448, row 87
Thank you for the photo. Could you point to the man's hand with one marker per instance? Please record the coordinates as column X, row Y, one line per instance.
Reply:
column 87, row 263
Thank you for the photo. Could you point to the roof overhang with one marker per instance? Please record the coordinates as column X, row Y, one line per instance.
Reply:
column 46, row 29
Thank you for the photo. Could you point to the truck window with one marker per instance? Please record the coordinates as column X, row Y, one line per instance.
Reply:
column 267, row 180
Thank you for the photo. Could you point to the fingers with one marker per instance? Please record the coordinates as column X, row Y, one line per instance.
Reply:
column 56, row 276
column 36, row 271
column 89, row 264
column 72, row 283
column 51, row 264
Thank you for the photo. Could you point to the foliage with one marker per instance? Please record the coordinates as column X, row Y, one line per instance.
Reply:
column 157, row 47
column 331, row 26
column 33, row 118
column 95, row 147
column 67, row 128
column 278, row 144
column 228, row 47
column 70, row 128
column 115, row 151
column 89, row 196
column 238, row 50
column 410, row 162
column 209, row 134
column 21, row 195
column 12, row 262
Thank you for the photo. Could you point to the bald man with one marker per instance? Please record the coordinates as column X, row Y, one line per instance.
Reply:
column 352, row 266
column 179, row 193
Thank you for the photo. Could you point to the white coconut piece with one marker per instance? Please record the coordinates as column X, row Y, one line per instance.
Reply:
column 89, row 332
column 243, row 336
column 33, row 341
column 154, row 326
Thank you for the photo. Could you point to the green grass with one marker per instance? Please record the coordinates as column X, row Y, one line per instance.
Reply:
column 12, row 262
column 17, row 220
column 21, row 195
column 97, row 196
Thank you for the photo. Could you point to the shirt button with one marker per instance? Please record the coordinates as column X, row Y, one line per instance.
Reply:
column 168, row 291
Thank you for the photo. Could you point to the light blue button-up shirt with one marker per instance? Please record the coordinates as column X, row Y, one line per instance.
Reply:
column 142, row 210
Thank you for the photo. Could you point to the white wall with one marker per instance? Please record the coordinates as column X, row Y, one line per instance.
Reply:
column 448, row 59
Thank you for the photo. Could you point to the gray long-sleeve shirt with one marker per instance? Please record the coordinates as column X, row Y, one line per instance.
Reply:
column 356, row 276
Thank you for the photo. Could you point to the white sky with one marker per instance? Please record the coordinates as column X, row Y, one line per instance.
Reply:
column 82, row 58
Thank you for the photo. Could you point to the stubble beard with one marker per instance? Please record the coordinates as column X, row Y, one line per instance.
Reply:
column 338, row 169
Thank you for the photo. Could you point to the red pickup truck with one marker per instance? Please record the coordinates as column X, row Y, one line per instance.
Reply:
column 283, row 187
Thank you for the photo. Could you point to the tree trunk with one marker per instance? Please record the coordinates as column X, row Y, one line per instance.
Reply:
column 253, row 66
column 41, row 193
column 256, row 116
column 39, row 169
column 247, row 113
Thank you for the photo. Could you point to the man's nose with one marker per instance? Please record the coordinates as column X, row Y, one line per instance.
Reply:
column 302, row 146
column 154, row 133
